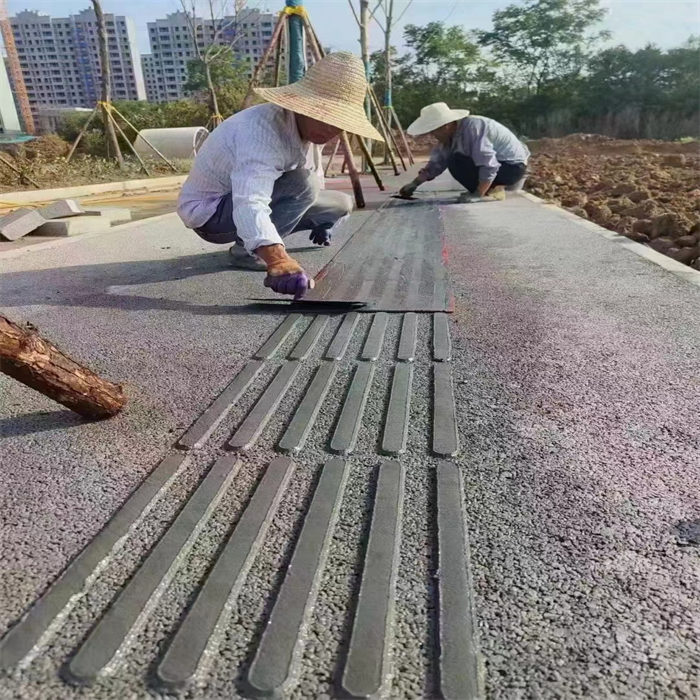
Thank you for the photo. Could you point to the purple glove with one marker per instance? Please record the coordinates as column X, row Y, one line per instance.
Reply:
column 296, row 283
column 320, row 235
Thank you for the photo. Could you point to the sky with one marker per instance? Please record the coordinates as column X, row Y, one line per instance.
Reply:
column 635, row 23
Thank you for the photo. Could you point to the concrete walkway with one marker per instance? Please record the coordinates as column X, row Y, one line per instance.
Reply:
column 574, row 372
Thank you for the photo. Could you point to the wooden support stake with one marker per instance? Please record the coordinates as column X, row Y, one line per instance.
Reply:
column 129, row 144
column 330, row 160
column 317, row 51
column 385, row 131
column 352, row 171
column 265, row 58
column 145, row 140
column 368, row 159
column 80, row 135
column 38, row 364
column 403, row 136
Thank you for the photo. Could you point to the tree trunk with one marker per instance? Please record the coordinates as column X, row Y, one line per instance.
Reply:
column 387, row 68
column 364, row 51
column 213, row 100
column 30, row 359
column 106, row 80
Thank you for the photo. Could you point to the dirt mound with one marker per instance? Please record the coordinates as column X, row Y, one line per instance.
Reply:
column 639, row 189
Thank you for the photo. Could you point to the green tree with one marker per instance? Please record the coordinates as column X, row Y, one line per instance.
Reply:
column 228, row 77
column 544, row 40
column 443, row 64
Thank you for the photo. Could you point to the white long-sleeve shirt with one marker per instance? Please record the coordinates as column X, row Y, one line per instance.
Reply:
column 245, row 155
column 486, row 141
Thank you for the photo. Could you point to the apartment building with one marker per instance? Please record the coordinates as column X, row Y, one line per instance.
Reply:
column 60, row 58
column 165, row 68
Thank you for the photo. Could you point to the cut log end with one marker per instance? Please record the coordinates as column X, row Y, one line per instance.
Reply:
column 38, row 364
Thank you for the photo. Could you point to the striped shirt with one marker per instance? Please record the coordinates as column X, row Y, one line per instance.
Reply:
column 486, row 141
column 244, row 156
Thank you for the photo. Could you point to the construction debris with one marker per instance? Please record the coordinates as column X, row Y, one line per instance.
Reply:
column 61, row 209
column 19, row 223
column 38, row 364
column 72, row 226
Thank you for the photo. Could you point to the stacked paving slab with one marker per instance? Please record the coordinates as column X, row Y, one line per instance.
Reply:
column 65, row 217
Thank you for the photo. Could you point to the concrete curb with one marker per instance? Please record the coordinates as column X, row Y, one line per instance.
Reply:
column 152, row 184
column 669, row 264
column 81, row 237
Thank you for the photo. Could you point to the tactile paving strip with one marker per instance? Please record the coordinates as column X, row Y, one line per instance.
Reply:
column 395, row 266
column 274, row 669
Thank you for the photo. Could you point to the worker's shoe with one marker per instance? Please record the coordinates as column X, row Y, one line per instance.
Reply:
column 241, row 259
column 498, row 193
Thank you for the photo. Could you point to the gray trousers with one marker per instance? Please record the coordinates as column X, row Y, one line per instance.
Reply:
column 298, row 204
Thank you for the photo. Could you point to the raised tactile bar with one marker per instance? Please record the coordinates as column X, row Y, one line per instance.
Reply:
column 273, row 343
column 442, row 345
column 339, row 344
column 458, row 659
column 226, row 578
column 305, row 417
column 276, row 664
column 445, row 440
column 375, row 338
column 257, row 419
column 345, row 435
column 205, row 425
column 307, row 341
column 397, row 415
column 154, row 574
column 407, row 341
column 366, row 669
column 18, row 642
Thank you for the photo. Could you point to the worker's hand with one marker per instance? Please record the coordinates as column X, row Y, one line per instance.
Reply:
column 284, row 274
column 408, row 189
column 320, row 235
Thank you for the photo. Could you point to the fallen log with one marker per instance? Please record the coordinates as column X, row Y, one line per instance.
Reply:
column 30, row 359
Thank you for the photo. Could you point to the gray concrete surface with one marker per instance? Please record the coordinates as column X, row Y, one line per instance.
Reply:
column 575, row 367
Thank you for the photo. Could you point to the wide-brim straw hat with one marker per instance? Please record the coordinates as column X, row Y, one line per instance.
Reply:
column 332, row 91
column 433, row 117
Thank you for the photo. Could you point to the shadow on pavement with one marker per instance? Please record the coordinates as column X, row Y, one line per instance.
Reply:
column 28, row 424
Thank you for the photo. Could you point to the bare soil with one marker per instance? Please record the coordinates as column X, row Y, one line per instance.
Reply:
column 648, row 190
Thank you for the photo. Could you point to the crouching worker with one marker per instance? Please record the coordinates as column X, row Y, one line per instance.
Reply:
column 481, row 154
column 251, row 185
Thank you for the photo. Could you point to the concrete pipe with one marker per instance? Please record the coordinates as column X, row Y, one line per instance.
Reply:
column 180, row 142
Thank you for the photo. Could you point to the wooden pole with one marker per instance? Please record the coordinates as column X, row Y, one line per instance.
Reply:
column 278, row 63
column 265, row 58
column 386, row 132
column 330, row 160
column 409, row 155
column 129, row 144
column 143, row 138
column 387, row 62
column 38, row 364
column 317, row 51
column 80, row 135
column 370, row 163
column 364, row 52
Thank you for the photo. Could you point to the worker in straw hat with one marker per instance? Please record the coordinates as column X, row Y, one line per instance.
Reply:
column 253, row 181
column 481, row 154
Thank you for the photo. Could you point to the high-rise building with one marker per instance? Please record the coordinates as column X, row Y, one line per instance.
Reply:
column 248, row 33
column 60, row 58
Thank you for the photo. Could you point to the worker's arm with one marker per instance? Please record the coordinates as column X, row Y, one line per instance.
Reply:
column 252, row 183
column 434, row 167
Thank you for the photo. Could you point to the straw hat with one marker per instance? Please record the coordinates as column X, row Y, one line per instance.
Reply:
column 332, row 91
column 433, row 117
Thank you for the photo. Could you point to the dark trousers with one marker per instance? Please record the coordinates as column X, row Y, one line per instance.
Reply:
column 466, row 172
